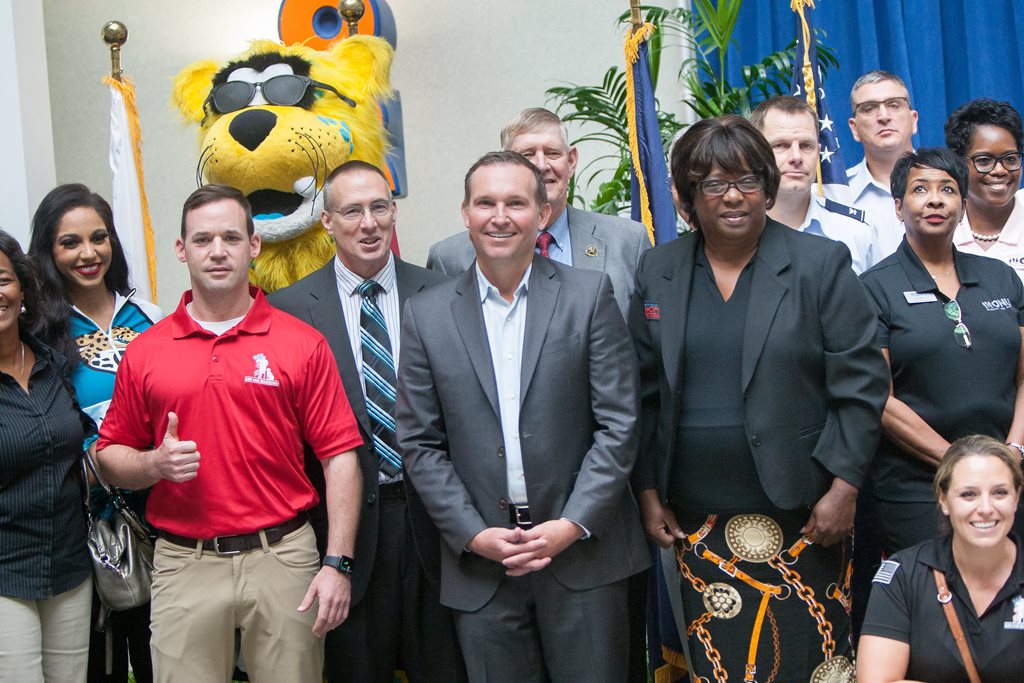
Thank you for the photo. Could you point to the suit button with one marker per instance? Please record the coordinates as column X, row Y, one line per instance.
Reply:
column 371, row 498
column 755, row 441
column 502, row 504
column 501, row 451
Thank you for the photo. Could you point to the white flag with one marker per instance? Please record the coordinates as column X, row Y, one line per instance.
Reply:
column 131, row 210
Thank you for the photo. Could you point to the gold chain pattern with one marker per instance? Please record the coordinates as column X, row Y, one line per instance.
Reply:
column 704, row 636
column 806, row 594
column 777, row 648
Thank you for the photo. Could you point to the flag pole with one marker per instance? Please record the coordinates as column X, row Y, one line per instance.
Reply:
column 352, row 11
column 635, row 18
column 115, row 34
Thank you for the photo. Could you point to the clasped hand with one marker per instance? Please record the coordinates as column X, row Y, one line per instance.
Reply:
column 525, row 550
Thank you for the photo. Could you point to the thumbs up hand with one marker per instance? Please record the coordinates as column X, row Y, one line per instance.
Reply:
column 175, row 460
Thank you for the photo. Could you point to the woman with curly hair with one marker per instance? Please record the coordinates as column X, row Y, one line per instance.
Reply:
column 987, row 135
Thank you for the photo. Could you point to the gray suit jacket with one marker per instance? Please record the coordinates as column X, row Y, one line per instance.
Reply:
column 314, row 300
column 609, row 244
column 814, row 380
column 577, row 427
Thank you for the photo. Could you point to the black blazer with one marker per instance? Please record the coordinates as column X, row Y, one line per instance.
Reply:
column 314, row 300
column 814, row 380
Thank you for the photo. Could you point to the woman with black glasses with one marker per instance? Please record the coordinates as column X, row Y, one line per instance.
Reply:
column 988, row 135
column 950, row 325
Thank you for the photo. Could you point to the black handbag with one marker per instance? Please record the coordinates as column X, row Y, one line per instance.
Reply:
column 120, row 549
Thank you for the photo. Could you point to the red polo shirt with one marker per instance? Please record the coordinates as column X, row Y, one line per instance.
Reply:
column 249, row 399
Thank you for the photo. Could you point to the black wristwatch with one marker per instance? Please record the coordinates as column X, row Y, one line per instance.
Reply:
column 343, row 563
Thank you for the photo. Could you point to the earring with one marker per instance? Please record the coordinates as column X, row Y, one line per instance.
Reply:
column 22, row 312
column 945, row 510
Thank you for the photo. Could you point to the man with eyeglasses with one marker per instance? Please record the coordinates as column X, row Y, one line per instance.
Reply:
column 396, row 620
column 791, row 127
column 573, row 237
column 883, row 122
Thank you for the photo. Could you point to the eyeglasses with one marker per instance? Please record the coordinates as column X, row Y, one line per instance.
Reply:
column 354, row 213
column 894, row 105
column 986, row 163
column 960, row 331
column 716, row 187
column 285, row 90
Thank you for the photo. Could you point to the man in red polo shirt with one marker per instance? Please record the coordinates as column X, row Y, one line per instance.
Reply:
column 211, row 408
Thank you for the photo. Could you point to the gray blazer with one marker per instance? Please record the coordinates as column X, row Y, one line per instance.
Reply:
column 609, row 244
column 578, row 420
column 314, row 300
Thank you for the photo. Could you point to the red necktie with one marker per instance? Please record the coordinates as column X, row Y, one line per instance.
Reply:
column 544, row 240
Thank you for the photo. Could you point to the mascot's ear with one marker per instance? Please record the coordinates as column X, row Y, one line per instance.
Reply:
column 191, row 87
column 370, row 58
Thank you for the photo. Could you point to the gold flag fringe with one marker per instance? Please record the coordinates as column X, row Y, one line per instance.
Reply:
column 632, row 50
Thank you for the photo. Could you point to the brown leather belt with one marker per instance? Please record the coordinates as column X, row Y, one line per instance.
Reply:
column 233, row 545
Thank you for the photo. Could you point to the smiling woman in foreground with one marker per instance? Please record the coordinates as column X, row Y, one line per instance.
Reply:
column 976, row 568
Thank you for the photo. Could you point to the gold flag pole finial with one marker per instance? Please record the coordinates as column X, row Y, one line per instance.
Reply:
column 115, row 34
column 352, row 11
column 635, row 18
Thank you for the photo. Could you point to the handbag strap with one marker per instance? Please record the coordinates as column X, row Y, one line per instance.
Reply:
column 945, row 598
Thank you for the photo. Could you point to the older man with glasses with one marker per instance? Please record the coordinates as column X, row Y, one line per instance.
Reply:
column 883, row 122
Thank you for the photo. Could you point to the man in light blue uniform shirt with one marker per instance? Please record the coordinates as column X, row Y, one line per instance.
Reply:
column 884, row 122
column 791, row 128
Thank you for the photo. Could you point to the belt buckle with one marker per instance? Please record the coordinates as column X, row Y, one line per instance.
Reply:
column 518, row 511
column 216, row 547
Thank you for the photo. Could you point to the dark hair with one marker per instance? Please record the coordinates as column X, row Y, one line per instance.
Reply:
column 25, row 271
column 938, row 158
column 508, row 158
column 787, row 104
column 52, row 320
column 350, row 166
column 730, row 142
column 961, row 124
column 214, row 192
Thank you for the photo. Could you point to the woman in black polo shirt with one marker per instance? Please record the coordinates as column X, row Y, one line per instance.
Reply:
column 950, row 326
column 906, row 634
column 45, row 574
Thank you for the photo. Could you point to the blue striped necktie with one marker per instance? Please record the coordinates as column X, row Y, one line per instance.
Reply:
column 379, row 379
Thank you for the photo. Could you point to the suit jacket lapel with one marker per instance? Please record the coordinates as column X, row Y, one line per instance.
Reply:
column 326, row 316
column 588, row 250
column 674, row 304
column 468, row 318
column 542, row 297
column 766, row 292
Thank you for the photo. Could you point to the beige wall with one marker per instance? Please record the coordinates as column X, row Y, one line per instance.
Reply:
column 462, row 67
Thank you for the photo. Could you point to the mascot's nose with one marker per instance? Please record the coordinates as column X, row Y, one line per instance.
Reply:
column 251, row 128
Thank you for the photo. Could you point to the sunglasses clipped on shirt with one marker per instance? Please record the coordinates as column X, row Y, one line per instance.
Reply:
column 285, row 90
column 960, row 331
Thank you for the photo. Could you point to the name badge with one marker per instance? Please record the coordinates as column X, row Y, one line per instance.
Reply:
column 920, row 297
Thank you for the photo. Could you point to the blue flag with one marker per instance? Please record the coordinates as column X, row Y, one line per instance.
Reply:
column 650, row 194
column 807, row 85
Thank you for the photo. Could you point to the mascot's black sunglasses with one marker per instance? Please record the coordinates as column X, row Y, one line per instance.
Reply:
column 285, row 90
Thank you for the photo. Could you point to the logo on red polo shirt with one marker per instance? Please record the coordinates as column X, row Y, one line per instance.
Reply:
column 262, row 374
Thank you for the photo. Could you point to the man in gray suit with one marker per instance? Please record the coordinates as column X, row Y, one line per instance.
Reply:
column 396, row 619
column 517, row 416
column 573, row 237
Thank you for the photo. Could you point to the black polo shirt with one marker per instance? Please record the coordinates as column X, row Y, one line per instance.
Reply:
column 42, row 517
column 957, row 391
column 903, row 606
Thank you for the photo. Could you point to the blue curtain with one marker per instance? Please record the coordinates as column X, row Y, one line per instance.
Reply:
column 947, row 51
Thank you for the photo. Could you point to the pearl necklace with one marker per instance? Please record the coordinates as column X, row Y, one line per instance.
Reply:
column 986, row 238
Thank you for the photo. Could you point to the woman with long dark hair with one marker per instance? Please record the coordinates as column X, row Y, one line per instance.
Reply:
column 89, row 315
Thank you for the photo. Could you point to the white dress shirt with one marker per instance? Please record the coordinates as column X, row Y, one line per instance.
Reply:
column 1008, row 248
column 506, row 328
column 857, row 236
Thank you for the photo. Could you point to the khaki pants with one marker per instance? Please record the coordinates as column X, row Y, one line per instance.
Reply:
column 46, row 640
column 200, row 599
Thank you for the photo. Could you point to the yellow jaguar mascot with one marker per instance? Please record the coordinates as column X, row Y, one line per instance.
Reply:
column 273, row 122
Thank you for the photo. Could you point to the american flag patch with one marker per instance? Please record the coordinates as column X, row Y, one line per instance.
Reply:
column 885, row 572
column 652, row 311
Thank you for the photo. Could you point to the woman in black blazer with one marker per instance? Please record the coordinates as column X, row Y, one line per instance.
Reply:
column 762, row 392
